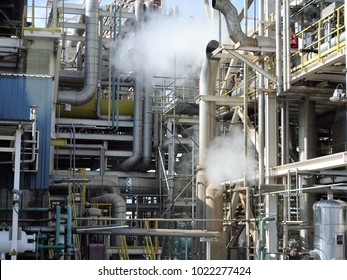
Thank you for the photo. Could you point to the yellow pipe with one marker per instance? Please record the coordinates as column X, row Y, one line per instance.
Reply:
column 88, row 110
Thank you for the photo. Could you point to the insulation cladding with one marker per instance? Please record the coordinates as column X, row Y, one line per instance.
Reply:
column 17, row 94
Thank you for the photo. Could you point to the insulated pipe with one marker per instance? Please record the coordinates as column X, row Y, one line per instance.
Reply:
column 206, row 133
column 147, row 124
column 83, row 96
column 231, row 16
column 234, row 27
column 139, row 11
column 278, row 48
column 153, row 232
column 137, row 154
column 138, row 127
column 214, row 208
column 118, row 208
column 207, row 84
column 345, row 22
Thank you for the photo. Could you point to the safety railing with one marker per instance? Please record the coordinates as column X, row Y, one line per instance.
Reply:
column 124, row 248
column 320, row 39
column 150, row 249
column 41, row 18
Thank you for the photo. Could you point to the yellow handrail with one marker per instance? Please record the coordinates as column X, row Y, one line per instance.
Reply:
column 150, row 252
column 312, row 51
column 124, row 248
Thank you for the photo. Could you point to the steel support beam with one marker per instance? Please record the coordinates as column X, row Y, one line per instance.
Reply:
column 314, row 164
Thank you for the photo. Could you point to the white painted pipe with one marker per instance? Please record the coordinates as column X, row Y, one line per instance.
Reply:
column 16, row 196
column 22, row 241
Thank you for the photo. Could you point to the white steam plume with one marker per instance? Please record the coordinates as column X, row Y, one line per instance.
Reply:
column 165, row 45
column 225, row 159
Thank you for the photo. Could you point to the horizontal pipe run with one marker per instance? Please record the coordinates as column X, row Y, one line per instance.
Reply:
column 153, row 232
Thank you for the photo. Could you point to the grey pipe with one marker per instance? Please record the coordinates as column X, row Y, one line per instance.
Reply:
column 137, row 130
column 154, row 232
column 118, row 204
column 147, row 125
column 83, row 96
column 234, row 27
column 118, row 208
column 137, row 154
column 208, row 75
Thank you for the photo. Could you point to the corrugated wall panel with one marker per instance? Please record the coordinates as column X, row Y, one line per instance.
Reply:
column 17, row 94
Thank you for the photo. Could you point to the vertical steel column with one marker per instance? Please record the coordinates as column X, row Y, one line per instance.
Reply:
column 245, row 105
column 278, row 48
column 271, row 144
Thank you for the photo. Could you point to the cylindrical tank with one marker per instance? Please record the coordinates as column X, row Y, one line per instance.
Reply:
column 330, row 229
column 23, row 243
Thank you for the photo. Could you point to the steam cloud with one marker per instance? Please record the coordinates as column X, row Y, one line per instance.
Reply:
column 225, row 158
column 166, row 45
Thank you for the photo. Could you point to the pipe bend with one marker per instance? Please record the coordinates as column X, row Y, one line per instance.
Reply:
column 233, row 24
column 83, row 96
column 211, row 46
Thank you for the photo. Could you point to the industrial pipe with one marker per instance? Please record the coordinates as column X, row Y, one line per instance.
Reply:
column 22, row 243
column 147, row 124
column 68, row 253
column 206, row 132
column 118, row 208
column 85, row 95
column 231, row 16
column 16, row 193
column 278, row 49
column 138, row 128
column 137, row 154
column 153, row 232
column 234, row 27
column 207, row 84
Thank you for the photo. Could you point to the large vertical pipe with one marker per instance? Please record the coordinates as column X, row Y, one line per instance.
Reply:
column 214, row 208
column 261, row 105
column 271, row 144
column 207, row 87
column 278, row 48
column 286, row 45
column 16, row 194
column 307, row 150
column 91, row 59
column 207, row 84
column 345, row 21
column 147, row 123
column 284, row 131
column 245, row 108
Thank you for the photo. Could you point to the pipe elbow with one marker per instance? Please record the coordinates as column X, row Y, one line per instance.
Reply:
column 233, row 24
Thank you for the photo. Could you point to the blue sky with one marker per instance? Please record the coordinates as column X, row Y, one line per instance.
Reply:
column 186, row 7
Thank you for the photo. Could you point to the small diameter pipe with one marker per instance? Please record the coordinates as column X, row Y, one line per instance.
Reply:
column 57, row 224
column 69, row 232
column 262, row 222
column 57, row 230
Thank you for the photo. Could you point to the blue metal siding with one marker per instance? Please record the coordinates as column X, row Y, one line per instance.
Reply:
column 17, row 94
